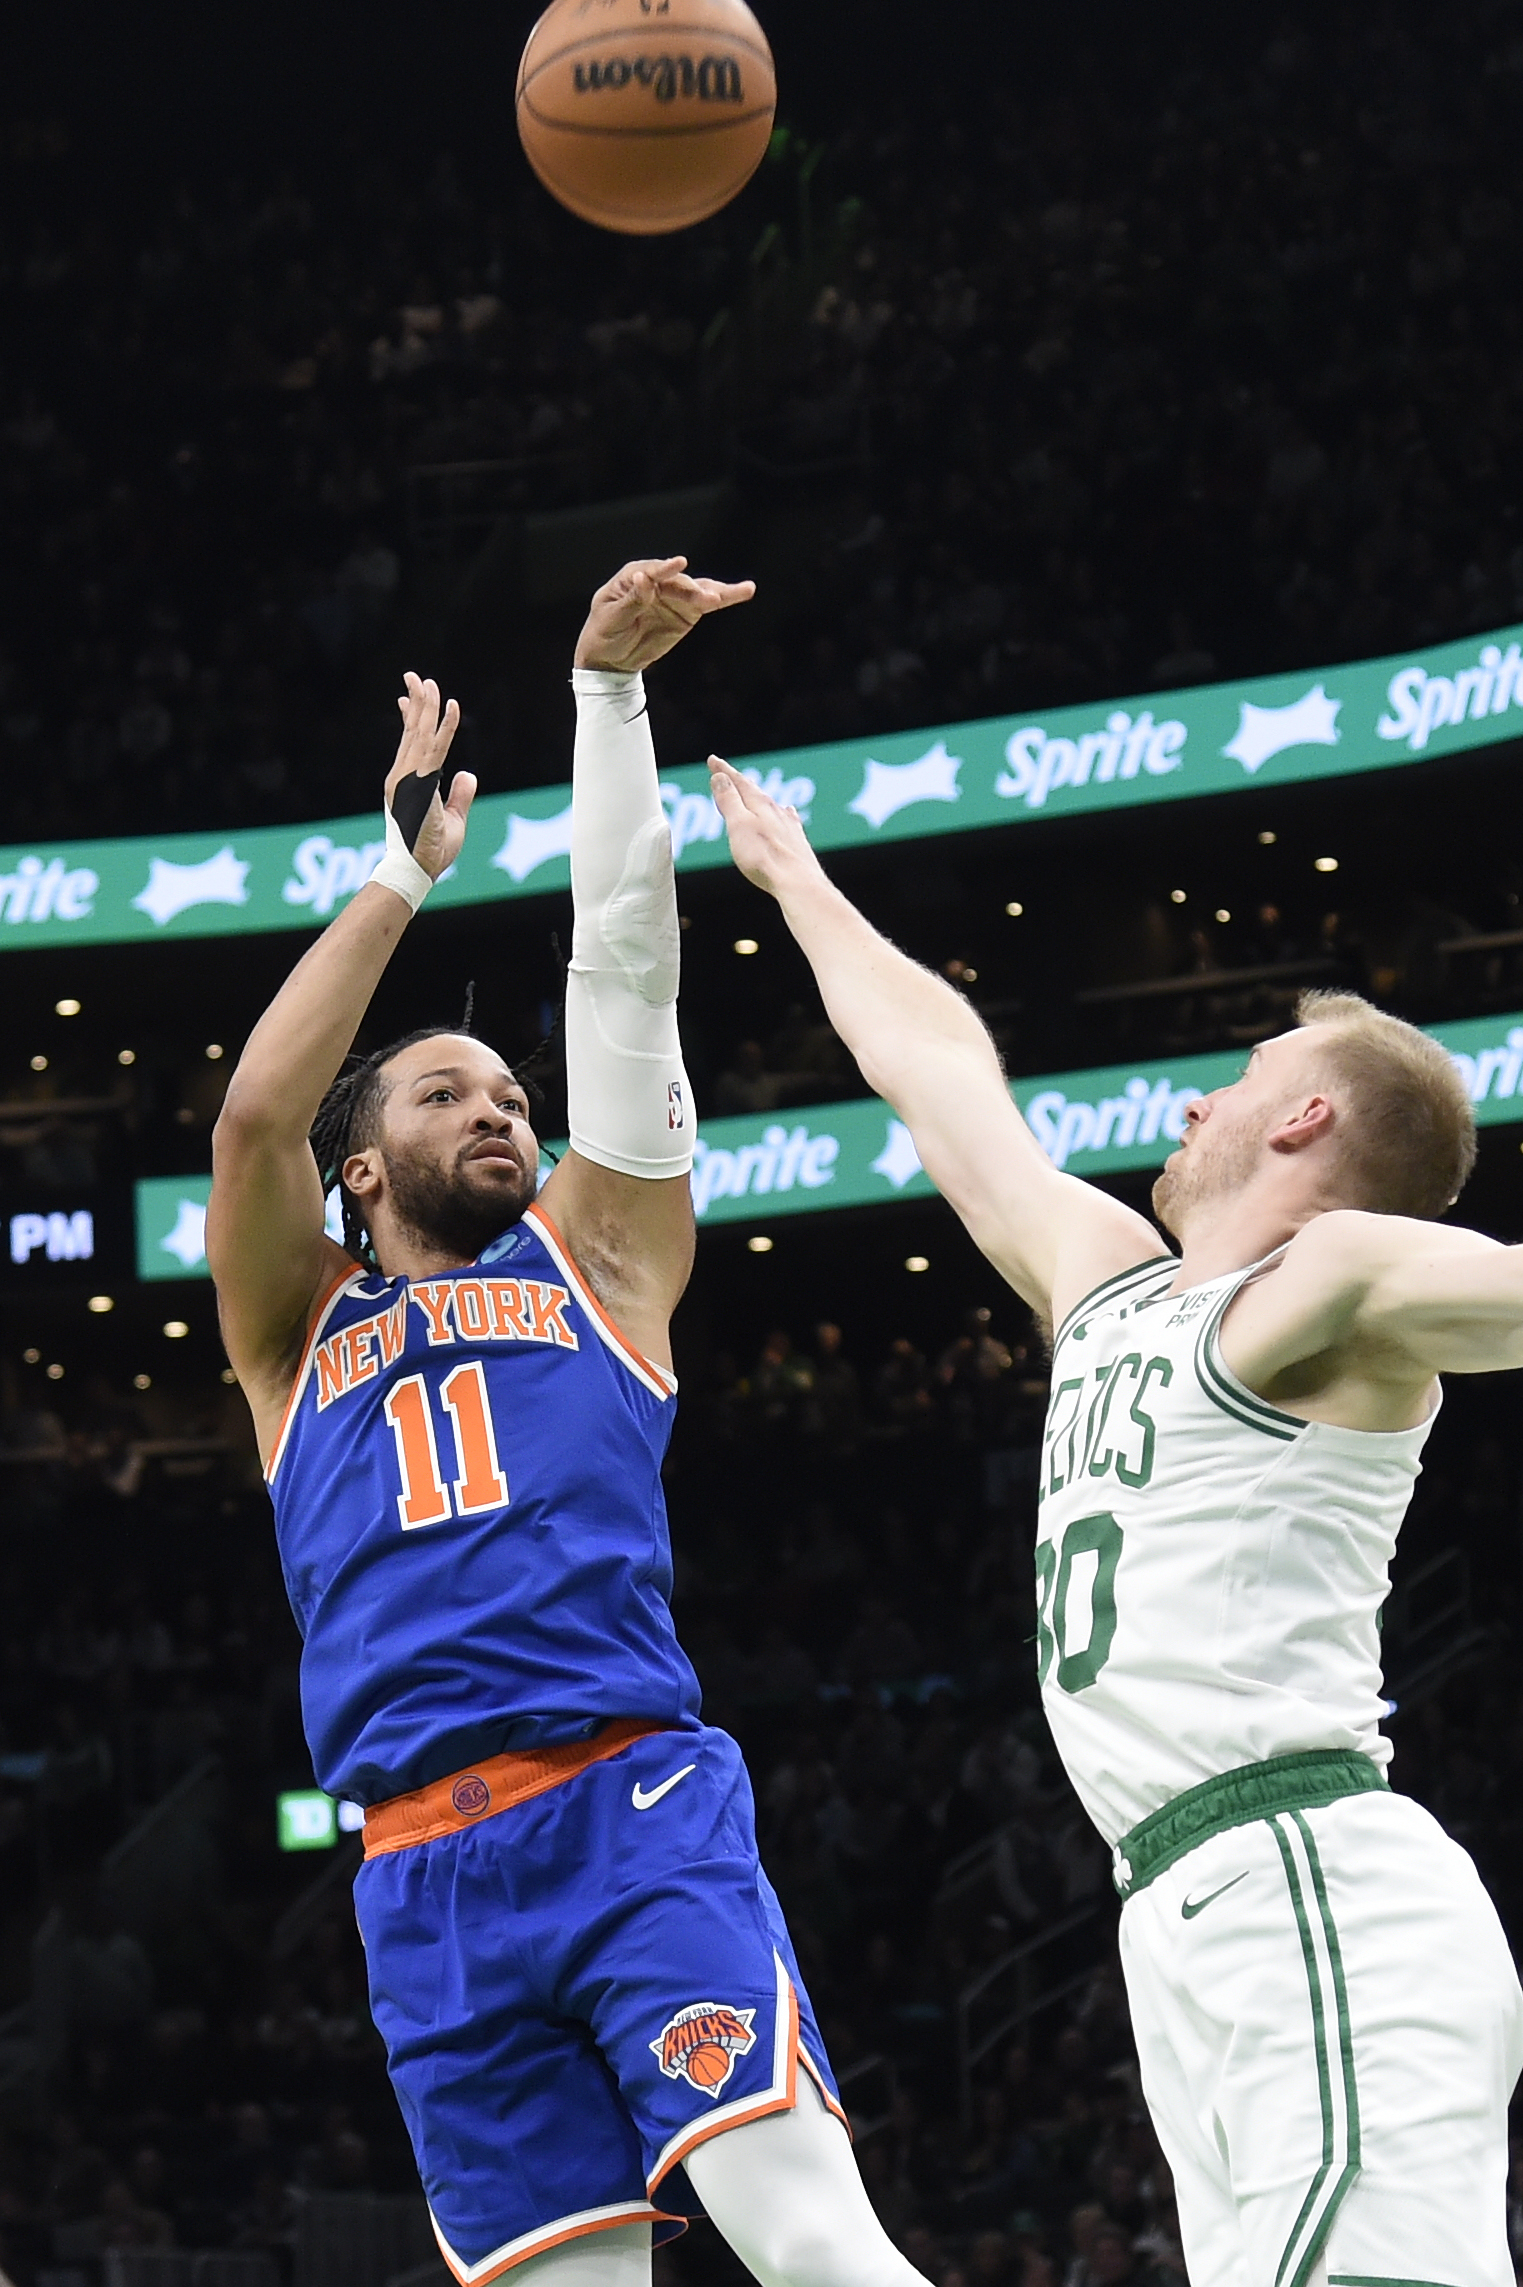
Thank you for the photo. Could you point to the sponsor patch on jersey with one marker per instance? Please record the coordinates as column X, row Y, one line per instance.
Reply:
column 511, row 1243
column 701, row 2044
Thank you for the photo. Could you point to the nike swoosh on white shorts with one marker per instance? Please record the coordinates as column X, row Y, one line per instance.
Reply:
column 647, row 1802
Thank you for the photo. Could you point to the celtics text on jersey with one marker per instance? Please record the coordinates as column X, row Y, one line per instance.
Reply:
column 1210, row 1569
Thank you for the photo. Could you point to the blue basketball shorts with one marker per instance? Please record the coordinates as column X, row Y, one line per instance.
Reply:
column 577, row 1991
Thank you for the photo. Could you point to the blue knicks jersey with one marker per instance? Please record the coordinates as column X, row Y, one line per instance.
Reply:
column 468, row 1502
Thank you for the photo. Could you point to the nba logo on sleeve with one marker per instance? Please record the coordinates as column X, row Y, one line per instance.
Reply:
column 701, row 2043
column 675, row 1114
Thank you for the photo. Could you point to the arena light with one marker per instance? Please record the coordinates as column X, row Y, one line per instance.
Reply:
column 1325, row 865
column 1015, row 909
column 66, row 1008
column 1268, row 838
column 760, row 1244
column 39, row 1064
column 101, row 1303
column 1222, row 913
column 55, row 1372
column 142, row 1381
column 31, row 1357
column 176, row 1329
column 1176, row 897
column 229, row 1377
column 215, row 1052
column 917, row 1263
column 126, row 1056
column 746, row 946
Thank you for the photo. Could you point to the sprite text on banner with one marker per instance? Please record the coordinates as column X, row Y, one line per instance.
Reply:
column 859, row 1155
column 1281, row 729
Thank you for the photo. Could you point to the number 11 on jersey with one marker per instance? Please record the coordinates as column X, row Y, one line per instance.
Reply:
column 480, row 1484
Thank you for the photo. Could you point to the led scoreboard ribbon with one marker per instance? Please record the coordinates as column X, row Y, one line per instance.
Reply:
column 1223, row 738
column 858, row 1155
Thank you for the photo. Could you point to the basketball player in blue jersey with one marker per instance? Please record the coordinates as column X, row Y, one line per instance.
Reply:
column 593, row 2017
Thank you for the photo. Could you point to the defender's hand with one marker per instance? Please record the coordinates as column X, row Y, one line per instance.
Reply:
column 767, row 842
column 646, row 610
column 426, row 740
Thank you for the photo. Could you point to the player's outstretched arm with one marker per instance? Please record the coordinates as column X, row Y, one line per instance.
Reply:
column 264, row 1225
column 621, row 1195
column 1383, row 1299
column 924, row 1049
column 1453, row 1300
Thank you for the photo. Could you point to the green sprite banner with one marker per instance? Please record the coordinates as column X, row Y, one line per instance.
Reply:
column 1216, row 740
column 859, row 1155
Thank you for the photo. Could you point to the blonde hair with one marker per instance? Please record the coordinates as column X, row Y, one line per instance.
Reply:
column 1410, row 1142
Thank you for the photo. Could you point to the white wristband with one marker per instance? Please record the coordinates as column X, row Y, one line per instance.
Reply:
column 400, row 870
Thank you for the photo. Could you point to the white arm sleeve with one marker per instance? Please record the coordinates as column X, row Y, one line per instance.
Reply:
column 630, row 1105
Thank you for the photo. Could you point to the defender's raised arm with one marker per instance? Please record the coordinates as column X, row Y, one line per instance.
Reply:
column 923, row 1048
column 264, row 1225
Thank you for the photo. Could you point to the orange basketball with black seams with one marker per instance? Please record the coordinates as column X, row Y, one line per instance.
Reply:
column 645, row 116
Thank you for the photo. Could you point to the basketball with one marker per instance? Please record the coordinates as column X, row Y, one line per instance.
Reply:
column 709, row 2065
column 645, row 116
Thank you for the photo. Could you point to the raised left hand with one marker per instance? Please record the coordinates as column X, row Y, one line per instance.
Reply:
column 428, row 731
column 646, row 610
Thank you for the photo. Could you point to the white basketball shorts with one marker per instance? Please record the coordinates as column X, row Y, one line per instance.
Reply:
column 1330, row 2026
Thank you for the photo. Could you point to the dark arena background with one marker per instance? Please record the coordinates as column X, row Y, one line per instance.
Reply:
column 1057, row 362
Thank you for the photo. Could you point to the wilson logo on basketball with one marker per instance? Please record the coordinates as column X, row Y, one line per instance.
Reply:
column 700, row 2044
column 715, row 80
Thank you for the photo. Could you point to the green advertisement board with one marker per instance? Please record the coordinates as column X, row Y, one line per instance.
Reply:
column 1170, row 747
column 307, row 1819
column 858, row 1155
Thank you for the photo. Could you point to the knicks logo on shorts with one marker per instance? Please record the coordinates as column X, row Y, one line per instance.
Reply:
column 700, row 2044
column 471, row 1796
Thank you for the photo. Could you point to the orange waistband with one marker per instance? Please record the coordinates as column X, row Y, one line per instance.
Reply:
column 467, row 1797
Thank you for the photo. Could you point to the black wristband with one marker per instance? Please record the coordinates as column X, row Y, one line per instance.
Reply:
column 409, row 805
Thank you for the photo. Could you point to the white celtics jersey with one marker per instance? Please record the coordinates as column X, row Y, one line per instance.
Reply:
column 1210, row 1571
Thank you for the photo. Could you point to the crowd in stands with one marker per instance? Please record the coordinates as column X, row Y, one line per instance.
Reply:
column 1200, row 360
column 1204, row 366
column 852, row 1528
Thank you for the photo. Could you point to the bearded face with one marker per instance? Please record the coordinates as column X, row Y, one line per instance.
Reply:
column 461, row 1205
